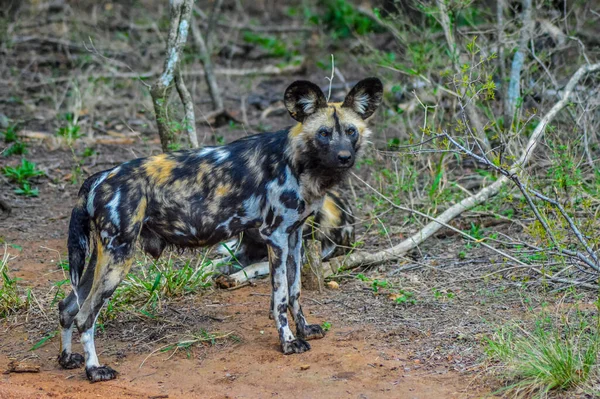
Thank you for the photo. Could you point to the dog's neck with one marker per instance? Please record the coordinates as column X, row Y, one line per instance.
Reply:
column 315, row 181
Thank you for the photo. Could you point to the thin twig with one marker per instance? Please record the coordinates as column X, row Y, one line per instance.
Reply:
column 331, row 78
column 188, row 105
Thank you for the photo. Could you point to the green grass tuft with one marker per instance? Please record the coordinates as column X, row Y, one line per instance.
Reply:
column 150, row 284
column 550, row 357
column 11, row 300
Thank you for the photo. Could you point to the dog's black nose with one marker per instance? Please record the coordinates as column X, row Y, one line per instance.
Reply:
column 344, row 157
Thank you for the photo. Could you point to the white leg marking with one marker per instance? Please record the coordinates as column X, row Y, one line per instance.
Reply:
column 87, row 339
column 280, row 296
column 294, row 290
column 65, row 338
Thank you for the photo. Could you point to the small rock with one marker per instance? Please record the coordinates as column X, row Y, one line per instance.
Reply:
column 333, row 285
column 4, row 121
column 305, row 367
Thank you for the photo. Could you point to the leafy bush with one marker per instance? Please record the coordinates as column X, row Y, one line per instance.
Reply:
column 341, row 18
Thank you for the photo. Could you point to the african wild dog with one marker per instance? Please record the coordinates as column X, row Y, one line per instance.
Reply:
column 268, row 184
column 332, row 225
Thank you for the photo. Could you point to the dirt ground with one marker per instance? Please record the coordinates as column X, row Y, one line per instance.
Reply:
column 351, row 362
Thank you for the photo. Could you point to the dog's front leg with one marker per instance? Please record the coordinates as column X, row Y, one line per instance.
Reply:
column 294, row 263
column 278, row 255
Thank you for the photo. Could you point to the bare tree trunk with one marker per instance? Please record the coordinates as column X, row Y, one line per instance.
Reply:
column 181, row 13
column 500, row 26
column 514, row 85
column 209, row 75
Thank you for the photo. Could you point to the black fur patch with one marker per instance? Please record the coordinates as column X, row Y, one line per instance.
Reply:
column 290, row 199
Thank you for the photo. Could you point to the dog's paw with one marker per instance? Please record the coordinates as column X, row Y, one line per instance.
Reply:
column 223, row 281
column 102, row 373
column 296, row 346
column 311, row 331
column 70, row 360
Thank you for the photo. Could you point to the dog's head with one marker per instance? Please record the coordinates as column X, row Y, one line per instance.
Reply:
column 329, row 135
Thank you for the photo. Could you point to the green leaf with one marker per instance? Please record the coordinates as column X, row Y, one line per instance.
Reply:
column 43, row 341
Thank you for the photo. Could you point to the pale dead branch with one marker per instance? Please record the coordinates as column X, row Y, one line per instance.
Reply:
column 232, row 72
column 359, row 259
column 188, row 105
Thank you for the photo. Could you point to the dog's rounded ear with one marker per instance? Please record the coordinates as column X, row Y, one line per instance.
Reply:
column 303, row 98
column 365, row 97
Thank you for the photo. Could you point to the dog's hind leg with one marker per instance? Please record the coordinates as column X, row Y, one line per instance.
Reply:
column 115, row 255
column 68, row 309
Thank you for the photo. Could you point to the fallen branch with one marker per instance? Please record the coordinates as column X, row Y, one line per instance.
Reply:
column 233, row 72
column 525, row 190
column 15, row 366
column 266, row 29
column 54, row 141
column 59, row 43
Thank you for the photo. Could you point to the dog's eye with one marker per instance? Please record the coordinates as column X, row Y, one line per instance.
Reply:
column 351, row 131
column 323, row 132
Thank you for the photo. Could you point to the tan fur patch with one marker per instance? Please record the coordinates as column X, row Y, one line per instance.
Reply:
column 159, row 168
column 296, row 130
column 139, row 212
column 332, row 213
column 101, row 263
column 203, row 170
column 223, row 189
